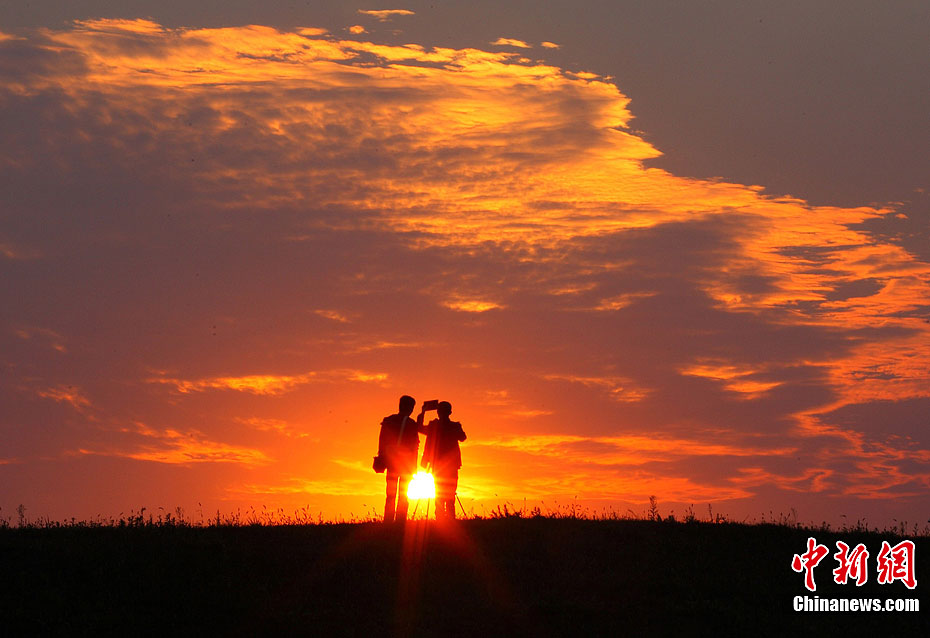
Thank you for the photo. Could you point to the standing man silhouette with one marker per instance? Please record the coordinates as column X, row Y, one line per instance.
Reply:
column 398, row 444
column 444, row 457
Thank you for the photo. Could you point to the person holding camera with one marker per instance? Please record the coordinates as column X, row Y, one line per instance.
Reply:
column 443, row 457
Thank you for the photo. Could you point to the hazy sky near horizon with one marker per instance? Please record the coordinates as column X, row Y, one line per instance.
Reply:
column 643, row 248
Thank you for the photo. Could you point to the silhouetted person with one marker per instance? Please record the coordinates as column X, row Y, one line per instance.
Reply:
column 444, row 457
column 398, row 444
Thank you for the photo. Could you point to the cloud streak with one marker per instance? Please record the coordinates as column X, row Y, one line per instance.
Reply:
column 384, row 15
column 510, row 42
column 175, row 447
column 267, row 384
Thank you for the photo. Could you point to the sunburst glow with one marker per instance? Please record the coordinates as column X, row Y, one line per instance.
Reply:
column 421, row 486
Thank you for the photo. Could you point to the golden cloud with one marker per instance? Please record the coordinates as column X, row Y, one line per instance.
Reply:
column 340, row 487
column 335, row 315
column 383, row 15
column 510, row 42
column 278, row 426
column 267, row 384
column 66, row 394
column 178, row 448
column 632, row 450
column 471, row 305
column 619, row 388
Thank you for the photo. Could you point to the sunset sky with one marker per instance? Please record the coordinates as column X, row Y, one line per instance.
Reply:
column 663, row 248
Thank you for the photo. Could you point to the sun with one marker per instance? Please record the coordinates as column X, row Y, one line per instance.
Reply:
column 421, row 486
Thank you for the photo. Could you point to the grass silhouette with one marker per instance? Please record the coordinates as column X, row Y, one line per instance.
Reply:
column 510, row 571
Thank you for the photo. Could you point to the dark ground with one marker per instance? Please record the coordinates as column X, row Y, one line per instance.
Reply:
column 488, row 578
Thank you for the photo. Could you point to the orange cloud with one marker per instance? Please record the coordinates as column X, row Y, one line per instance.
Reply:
column 66, row 394
column 619, row 388
column 298, row 486
column 256, row 383
column 267, row 384
column 119, row 26
column 9, row 251
column 743, row 380
column 384, row 345
column 634, row 450
column 621, row 301
column 383, row 15
column 278, row 426
column 175, row 447
column 510, row 42
column 49, row 337
column 335, row 315
column 471, row 305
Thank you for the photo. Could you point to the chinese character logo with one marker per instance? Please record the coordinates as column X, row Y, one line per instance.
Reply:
column 853, row 565
column 897, row 563
column 893, row 563
column 807, row 561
